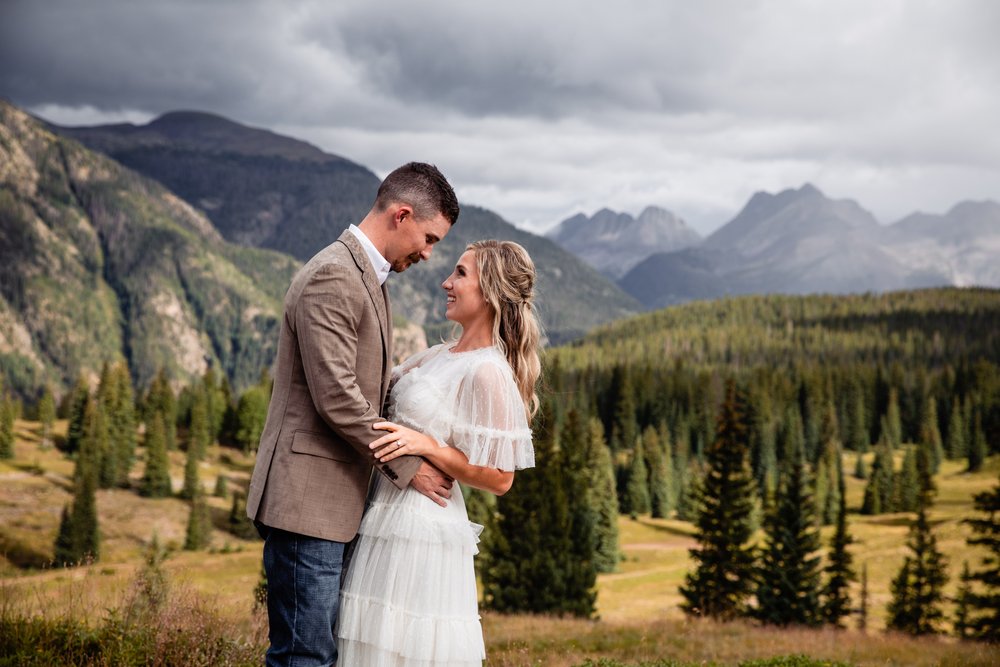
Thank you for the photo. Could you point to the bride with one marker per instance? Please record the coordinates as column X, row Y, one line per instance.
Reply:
column 409, row 597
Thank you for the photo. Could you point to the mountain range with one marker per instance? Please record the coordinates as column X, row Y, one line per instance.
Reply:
column 263, row 189
column 614, row 242
column 171, row 244
column 799, row 241
column 98, row 263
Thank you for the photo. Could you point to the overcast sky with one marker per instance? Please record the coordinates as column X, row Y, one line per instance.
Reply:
column 542, row 109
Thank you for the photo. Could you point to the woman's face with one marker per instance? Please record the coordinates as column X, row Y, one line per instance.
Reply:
column 465, row 299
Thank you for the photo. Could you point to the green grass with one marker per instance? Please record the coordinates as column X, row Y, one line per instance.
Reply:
column 211, row 592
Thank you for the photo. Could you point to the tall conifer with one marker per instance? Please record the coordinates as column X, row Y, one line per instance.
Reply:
column 878, row 492
column 603, row 500
column 47, row 415
column 930, row 435
column 839, row 573
column 156, row 479
column 661, row 474
column 828, row 468
column 917, row 590
column 957, row 444
column 530, row 564
column 199, row 528
column 722, row 579
column 637, row 487
column 788, row 575
column 77, row 409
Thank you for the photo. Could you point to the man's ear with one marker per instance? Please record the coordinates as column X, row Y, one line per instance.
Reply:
column 402, row 212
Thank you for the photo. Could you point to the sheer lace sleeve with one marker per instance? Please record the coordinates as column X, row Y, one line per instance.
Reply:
column 490, row 425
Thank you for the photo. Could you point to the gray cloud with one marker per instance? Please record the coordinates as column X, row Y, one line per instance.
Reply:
column 539, row 110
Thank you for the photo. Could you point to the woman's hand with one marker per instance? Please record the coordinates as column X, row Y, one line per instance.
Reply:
column 401, row 441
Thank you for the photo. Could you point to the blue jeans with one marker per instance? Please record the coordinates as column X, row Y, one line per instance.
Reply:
column 303, row 595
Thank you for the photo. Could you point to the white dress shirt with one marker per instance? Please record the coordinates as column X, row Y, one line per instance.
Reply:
column 379, row 263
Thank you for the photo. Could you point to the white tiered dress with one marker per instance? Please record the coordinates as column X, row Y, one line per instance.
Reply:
column 409, row 596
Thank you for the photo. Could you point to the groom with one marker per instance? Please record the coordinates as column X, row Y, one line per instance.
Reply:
column 331, row 375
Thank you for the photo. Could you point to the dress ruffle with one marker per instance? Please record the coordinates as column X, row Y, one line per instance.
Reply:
column 406, row 637
column 400, row 522
column 495, row 448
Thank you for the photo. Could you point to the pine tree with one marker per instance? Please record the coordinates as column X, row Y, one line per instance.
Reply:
column 828, row 469
column 191, row 481
column 199, row 528
column 47, row 416
column 637, row 488
column 122, row 425
column 878, row 492
column 661, row 473
column 860, row 469
column 83, row 515
column 917, row 590
column 722, row 580
column 161, row 398
column 892, row 424
column 839, row 573
column 977, row 446
column 602, row 498
column 788, row 574
column 199, row 436
column 957, row 446
column 107, row 456
column 215, row 403
column 251, row 414
column 77, row 408
column 156, row 479
column 579, row 569
column 531, row 565
column 624, row 430
column 984, row 600
column 930, row 435
column 858, row 428
column 65, row 547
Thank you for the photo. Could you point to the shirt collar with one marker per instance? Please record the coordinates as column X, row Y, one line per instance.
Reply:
column 379, row 263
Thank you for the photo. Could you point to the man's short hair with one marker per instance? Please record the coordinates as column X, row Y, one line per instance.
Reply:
column 421, row 186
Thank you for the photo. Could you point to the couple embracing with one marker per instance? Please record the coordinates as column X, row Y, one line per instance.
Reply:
column 458, row 411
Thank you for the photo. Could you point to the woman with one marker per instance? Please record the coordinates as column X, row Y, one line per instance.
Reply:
column 409, row 597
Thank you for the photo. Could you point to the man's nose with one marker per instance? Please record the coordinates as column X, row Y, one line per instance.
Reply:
column 426, row 253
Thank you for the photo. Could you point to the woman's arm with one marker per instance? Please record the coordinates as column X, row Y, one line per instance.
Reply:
column 402, row 441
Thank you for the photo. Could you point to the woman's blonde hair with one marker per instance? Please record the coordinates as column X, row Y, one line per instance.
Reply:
column 507, row 281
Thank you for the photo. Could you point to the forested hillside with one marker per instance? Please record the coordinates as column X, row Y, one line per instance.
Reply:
column 98, row 264
column 795, row 353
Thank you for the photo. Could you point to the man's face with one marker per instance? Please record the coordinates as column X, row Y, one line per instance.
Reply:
column 414, row 239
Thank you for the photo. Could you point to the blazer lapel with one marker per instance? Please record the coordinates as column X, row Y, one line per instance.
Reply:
column 375, row 291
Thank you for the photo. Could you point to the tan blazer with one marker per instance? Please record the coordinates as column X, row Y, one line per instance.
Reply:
column 330, row 381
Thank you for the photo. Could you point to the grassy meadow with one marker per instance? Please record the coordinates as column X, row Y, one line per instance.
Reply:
column 211, row 592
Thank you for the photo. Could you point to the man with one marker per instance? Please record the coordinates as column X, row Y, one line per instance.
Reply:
column 331, row 375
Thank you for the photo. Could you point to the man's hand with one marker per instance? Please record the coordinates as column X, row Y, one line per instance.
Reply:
column 432, row 483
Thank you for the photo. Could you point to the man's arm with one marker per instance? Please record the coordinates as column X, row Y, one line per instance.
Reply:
column 327, row 317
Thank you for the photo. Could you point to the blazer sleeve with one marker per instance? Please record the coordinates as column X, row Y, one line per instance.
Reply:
column 327, row 319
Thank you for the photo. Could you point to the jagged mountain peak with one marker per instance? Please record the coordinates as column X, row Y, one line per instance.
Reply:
column 613, row 242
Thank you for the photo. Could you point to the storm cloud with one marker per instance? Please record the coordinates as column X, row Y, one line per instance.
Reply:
column 539, row 110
